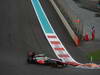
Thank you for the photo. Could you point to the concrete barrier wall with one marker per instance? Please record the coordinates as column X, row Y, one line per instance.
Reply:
column 71, row 32
column 71, row 15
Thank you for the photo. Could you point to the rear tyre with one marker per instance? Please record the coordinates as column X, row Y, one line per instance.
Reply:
column 29, row 60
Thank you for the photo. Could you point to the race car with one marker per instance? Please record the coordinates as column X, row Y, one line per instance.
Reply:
column 33, row 58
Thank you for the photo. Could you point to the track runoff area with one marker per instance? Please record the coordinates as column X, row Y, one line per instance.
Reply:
column 53, row 39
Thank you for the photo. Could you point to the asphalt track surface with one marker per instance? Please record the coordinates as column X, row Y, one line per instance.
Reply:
column 20, row 32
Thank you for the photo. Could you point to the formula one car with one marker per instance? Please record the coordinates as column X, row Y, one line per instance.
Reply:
column 33, row 58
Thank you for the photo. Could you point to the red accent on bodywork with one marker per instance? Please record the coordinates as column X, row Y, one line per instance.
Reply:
column 40, row 61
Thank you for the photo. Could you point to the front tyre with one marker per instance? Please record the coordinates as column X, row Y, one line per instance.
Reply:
column 60, row 66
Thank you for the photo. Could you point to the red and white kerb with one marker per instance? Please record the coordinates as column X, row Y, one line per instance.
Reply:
column 58, row 48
